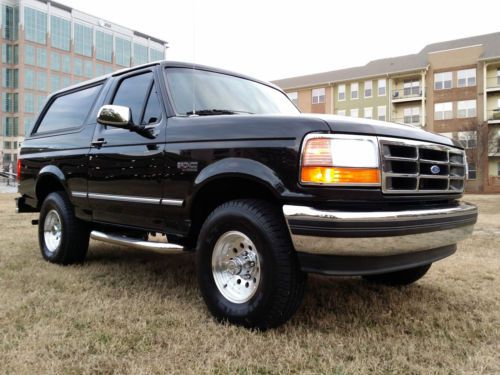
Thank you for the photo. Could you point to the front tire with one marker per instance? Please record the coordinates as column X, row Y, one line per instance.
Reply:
column 404, row 277
column 62, row 237
column 248, row 272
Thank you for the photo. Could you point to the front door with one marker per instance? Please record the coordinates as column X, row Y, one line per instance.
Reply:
column 126, row 168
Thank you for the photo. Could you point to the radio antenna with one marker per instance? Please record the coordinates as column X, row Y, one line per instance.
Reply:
column 193, row 4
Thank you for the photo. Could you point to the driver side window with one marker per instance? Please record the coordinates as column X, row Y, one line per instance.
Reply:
column 140, row 95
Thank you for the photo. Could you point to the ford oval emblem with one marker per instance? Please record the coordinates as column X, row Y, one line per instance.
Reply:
column 435, row 169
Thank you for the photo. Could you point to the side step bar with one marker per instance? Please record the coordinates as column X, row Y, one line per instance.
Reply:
column 135, row 243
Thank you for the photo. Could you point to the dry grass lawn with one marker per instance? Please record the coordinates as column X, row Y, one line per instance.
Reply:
column 127, row 311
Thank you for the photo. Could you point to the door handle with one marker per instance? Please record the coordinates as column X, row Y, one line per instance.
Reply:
column 98, row 142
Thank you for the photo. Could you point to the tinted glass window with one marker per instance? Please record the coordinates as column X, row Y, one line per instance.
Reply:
column 133, row 93
column 69, row 111
column 152, row 114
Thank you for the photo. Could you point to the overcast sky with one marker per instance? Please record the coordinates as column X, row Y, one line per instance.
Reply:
column 272, row 39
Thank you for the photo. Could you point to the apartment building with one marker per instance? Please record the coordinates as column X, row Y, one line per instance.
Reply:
column 451, row 87
column 47, row 46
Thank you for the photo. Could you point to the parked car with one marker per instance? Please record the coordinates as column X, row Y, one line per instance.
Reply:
column 225, row 165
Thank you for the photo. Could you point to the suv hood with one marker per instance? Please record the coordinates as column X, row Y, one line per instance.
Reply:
column 342, row 124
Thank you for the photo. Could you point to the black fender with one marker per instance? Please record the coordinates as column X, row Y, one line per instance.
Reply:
column 241, row 168
column 51, row 172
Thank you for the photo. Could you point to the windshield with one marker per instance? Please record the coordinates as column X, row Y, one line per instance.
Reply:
column 207, row 93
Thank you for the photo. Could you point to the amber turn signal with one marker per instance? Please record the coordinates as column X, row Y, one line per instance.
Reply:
column 337, row 175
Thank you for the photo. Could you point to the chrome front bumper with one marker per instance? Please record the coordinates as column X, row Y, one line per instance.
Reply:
column 378, row 233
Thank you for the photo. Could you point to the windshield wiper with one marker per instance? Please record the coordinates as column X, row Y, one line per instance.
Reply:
column 213, row 112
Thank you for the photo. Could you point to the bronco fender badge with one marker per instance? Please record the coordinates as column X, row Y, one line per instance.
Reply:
column 187, row 166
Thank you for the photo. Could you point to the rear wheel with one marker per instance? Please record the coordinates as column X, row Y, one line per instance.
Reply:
column 404, row 277
column 63, row 238
column 247, row 268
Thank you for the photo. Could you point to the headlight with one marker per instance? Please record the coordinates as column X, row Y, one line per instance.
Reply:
column 340, row 159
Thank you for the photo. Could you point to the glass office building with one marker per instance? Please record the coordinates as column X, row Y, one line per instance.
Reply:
column 47, row 46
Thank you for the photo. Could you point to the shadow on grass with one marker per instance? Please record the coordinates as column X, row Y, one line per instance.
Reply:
column 329, row 301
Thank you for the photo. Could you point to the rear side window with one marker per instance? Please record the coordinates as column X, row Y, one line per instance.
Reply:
column 68, row 111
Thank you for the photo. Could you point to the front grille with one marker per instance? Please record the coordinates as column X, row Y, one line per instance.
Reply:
column 421, row 167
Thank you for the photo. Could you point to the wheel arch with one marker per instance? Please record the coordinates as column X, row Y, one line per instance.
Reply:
column 50, row 179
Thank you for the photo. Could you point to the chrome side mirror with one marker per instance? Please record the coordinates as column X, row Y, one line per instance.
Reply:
column 115, row 115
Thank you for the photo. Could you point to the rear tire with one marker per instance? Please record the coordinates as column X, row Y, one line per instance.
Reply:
column 404, row 277
column 63, row 238
column 248, row 272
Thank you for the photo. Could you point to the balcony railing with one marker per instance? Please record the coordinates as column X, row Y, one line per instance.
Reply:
column 494, row 115
column 407, row 92
column 415, row 120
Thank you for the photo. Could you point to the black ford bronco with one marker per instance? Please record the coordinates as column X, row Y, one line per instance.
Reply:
column 176, row 157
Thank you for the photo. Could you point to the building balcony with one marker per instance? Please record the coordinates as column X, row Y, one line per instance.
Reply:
column 415, row 120
column 407, row 94
column 492, row 82
column 493, row 116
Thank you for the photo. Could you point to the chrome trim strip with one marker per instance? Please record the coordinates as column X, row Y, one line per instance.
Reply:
column 124, row 198
column 79, row 194
column 172, row 202
column 378, row 246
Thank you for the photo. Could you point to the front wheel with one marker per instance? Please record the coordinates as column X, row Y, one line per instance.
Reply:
column 63, row 238
column 247, row 269
column 404, row 277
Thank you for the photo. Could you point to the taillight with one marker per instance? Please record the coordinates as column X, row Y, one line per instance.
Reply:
column 340, row 159
column 18, row 176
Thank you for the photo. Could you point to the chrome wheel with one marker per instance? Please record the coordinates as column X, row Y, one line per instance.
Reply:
column 236, row 267
column 52, row 231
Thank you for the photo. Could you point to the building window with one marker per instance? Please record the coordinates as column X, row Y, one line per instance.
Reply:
column 140, row 54
column 41, row 57
column 40, row 102
column 10, row 54
column 60, row 33
column 368, row 112
column 103, row 46
column 28, row 125
column 354, row 113
column 41, row 81
column 498, row 169
column 341, row 93
column 341, row 112
column 368, row 89
column 11, row 128
column 66, row 64
column 88, row 69
column 468, row 139
column 382, row 87
column 156, row 55
column 318, row 95
column 381, row 112
column 411, row 87
column 498, row 76
column 99, row 69
column 55, row 82
column 29, row 55
column 411, row 115
column 29, row 102
column 294, row 97
column 443, row 111
column 472, row 171
column 35, row 25
column 9, row 22
column 66, row 81
column 466, row 78
column 78, row 66
column 10, row 78
column 354, row 90
column 122, row 52
column 83, row 40
column 55, row 61
column 443, row 80
column 466, row 109
column 29, row 79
